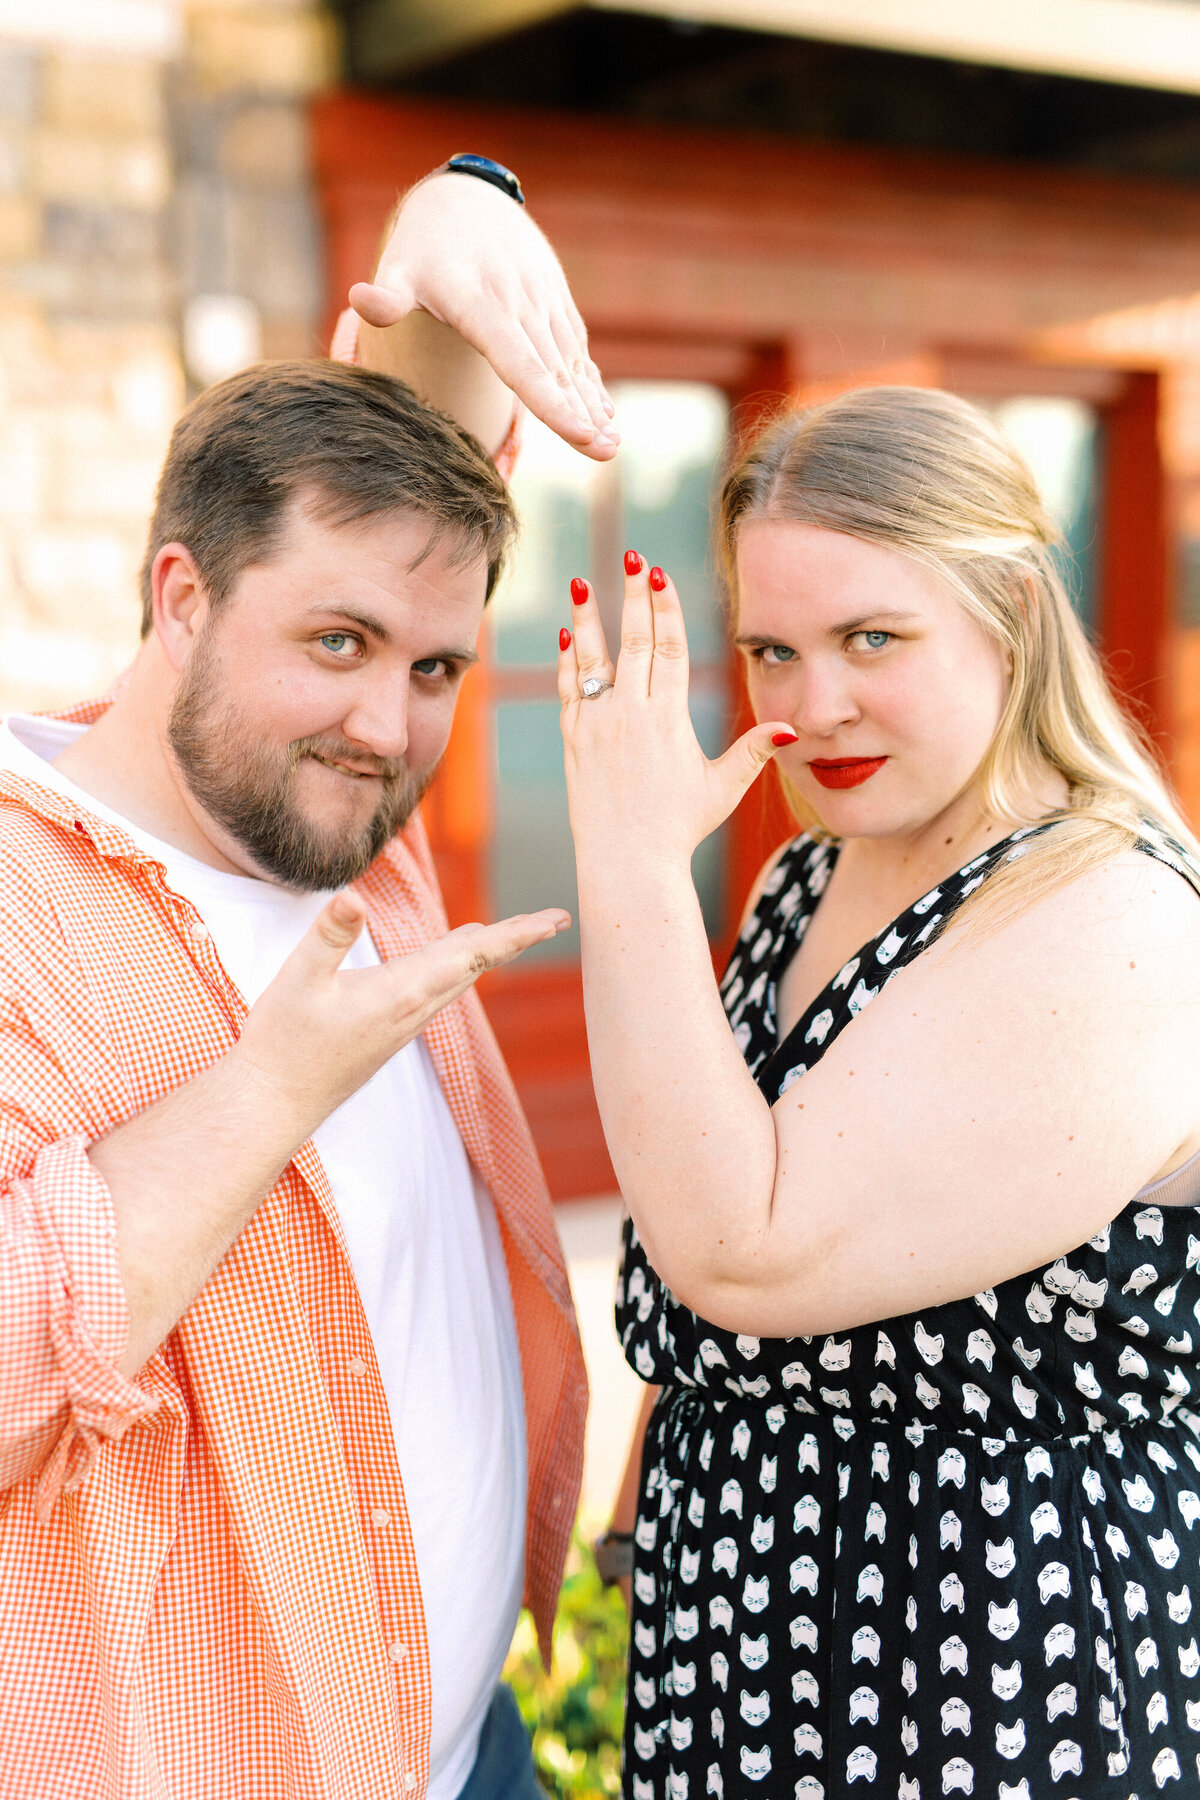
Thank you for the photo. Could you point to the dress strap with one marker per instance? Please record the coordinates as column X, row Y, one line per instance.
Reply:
column 1158, row 843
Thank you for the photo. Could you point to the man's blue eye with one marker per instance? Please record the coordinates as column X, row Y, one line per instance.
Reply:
column 335, row 640
column 428, row 665
column 781, row 653
column 877, row 639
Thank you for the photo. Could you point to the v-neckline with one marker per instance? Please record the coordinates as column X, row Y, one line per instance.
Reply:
column 921, row 904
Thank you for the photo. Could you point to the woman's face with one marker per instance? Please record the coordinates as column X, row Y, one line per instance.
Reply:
column 894, row 689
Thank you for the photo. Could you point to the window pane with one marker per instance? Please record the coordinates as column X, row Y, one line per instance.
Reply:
column 672, row 445
column 552, row 487
column 577, row 517
column 533, row 860
column 1058, row 439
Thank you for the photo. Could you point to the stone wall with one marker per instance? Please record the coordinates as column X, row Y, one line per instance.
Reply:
column 143, row 189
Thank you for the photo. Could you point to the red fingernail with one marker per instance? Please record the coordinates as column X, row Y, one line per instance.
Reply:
column 658, row 580
column 579, row 591
column 564, row 639
column 779, row 738
column 633, row 563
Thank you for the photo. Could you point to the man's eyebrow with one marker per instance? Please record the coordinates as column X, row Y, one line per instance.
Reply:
column 455, row 654
column 377, row 629
column 751, row 640
column 365, row 621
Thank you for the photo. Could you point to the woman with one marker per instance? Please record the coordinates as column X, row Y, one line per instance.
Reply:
column 919, row 1489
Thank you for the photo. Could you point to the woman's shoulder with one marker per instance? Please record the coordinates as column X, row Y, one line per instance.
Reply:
column 1155, row 883
column 1061, row 873
column 1135, row 909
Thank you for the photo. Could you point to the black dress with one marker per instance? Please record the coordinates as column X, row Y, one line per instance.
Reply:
column 948, row 1553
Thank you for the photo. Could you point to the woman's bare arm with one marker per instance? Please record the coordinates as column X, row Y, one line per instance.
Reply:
column 995, row 1105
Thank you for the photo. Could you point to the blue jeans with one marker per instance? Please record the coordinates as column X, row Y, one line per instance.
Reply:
column 504, row 1766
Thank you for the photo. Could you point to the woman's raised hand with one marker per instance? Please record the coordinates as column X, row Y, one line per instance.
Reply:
column 638, row 782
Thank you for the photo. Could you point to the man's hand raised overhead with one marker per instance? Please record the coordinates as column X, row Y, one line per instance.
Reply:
column 464, row 260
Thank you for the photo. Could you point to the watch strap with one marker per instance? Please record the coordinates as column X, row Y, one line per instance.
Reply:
column 484, row 169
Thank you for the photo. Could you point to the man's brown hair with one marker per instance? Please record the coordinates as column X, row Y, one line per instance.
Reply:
column 357, row 443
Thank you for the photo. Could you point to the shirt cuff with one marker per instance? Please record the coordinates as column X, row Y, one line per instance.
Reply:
column 70, row 1298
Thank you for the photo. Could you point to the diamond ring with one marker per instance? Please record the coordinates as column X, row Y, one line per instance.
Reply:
column 593, row 686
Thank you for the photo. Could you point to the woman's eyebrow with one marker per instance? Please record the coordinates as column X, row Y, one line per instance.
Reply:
column 753, row 640
column 871, row 618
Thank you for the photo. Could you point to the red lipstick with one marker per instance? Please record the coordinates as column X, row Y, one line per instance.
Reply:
column 846, row 771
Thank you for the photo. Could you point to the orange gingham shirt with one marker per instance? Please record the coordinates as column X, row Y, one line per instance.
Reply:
column 208, row 1578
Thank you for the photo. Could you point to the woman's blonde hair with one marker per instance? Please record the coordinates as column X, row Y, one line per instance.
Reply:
column 925, row 473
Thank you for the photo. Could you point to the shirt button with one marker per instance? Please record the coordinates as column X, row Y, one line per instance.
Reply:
column 381, row 1517
column 357, row 1366
column 199, row 931
column 397, row 1651
column 410, row 1780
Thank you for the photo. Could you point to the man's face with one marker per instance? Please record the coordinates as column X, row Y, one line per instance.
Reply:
column 317, row 700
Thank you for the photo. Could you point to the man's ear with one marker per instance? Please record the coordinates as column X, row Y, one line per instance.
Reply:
column 180, row 602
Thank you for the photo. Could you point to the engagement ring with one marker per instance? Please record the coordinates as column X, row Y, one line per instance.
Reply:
column 593, row 686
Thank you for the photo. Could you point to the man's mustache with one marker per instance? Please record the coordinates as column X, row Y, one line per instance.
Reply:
column 388, row 768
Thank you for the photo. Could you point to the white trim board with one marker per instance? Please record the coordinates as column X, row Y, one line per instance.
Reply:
column 1143, row 43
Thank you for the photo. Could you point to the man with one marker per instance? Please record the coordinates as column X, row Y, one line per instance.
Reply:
column 291, row 1396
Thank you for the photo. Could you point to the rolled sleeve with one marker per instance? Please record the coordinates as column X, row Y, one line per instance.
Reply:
column 66, row 1322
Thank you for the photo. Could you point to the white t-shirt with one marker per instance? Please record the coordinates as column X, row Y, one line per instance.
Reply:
column 425, row 1248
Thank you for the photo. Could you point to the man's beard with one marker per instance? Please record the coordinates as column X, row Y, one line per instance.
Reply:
column 248, row 787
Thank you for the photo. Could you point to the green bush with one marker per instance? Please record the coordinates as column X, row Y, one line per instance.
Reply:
column 576, row 1712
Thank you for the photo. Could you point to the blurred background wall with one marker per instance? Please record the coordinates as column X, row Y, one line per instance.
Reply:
column 156, row 229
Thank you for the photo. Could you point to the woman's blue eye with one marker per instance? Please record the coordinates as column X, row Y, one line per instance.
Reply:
column 780, row 653
column 875, row 640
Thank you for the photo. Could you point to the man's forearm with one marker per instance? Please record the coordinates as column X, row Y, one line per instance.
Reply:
column 185, row 1177
column 444, row 370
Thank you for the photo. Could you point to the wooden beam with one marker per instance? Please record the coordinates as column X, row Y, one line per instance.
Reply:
column 684, row 232
column 1135, row 558
column 385, row 38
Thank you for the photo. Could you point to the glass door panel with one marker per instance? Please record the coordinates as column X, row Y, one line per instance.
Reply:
column 1059, row 439
column 577, row 518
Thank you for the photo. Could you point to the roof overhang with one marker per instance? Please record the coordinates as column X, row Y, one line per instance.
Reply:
column 1140, row 43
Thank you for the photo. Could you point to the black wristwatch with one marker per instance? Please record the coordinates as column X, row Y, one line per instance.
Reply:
column 484, row 169
column 614, row 1556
